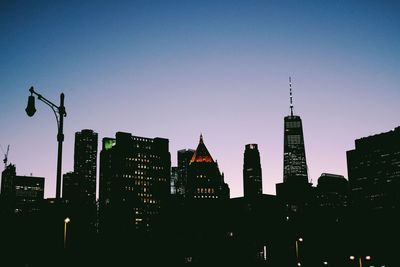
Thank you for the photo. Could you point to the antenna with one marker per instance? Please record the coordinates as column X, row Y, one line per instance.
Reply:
column 291, row 97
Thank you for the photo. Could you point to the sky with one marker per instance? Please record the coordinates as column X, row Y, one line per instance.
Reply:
column 175, row 69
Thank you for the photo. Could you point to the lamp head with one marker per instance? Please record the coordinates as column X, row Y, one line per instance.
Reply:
column 30, row 108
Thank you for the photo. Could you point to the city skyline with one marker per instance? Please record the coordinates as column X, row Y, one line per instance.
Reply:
column 175, row 70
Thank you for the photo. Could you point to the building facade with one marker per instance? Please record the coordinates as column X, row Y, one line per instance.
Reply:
column 29, row 191
column 71, row 187
column 374, row 171
column 174, row 180
column 184, row 156
column 295, row 192
column 7, row 181
column 85, row 164
column 332, row 191
column 134, row 180
column 204, row 178
column 21, row 193
column 252, row 173
column 294, row 155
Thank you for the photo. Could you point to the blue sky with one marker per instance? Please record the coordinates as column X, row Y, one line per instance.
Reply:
column 176, row 69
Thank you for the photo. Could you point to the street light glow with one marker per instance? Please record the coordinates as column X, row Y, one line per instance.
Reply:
column 367, row 257
column 352, row 257
column 67, row 220
column 300, row 239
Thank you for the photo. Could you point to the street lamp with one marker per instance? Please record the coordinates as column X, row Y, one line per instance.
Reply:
column 66, row 221
column 360, row 259
column 59, row 112
column 300, row 239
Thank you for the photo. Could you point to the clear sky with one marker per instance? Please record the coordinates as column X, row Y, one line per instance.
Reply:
column 176, row 69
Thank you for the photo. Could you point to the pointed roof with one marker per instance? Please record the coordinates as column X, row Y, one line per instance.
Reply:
column 201, row 154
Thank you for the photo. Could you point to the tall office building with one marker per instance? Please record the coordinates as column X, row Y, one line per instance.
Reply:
column 374, row 171
column 204, row 178
column 71, row 187
column 252, row 177
column 85, row 164
column 7, row 182
column 29, row 191
column 294, row 155
column 174, row 180
column 332, row 191
column 134, row 180
column 295, row 192
column 21, row 193
column 184, row 157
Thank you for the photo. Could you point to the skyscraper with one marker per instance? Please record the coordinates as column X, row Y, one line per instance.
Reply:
column 174, row 180
column 134, row 181
column 294, row 155
column 7, row 182
column 374, row 171
column 85, row 164
column 21, row 193
column 71, row 187
column 205, row 180
column 295, row 192
column 252, row 176
column 184, row 157
column 29, row 191
column 332, row 191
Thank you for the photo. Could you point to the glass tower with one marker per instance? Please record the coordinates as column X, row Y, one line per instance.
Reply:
column 294, row 154
column 252, row 179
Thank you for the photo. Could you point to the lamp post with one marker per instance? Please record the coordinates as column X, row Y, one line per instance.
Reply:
column 300, row 239
column 59, row 112
column 66, row 221
column 360, row 259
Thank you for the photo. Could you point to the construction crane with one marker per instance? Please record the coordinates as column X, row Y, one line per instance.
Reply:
column 5, row 160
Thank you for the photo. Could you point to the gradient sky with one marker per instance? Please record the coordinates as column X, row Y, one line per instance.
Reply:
column 176, row 69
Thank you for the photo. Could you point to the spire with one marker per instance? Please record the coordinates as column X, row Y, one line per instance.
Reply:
column 201, row 154
column 291, row 97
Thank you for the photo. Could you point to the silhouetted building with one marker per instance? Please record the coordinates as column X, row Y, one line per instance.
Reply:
column 71, row 186
column 174, row 180
column 134, row 180
column 7, row 182
column 252, row 176
column 332, row 191
column 252, row 236
column 374, row 171
column 294, row 154
column 21, row 193
column 204, row 178
column 184, row 157
column 295, row 191
column 85, row 164
column 29, row 191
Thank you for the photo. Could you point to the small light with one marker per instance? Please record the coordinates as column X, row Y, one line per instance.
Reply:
column 352, row 257
column 298, row 264
column 301, row 239
column 325, row 263
column 367, row 257
column 67, row 220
